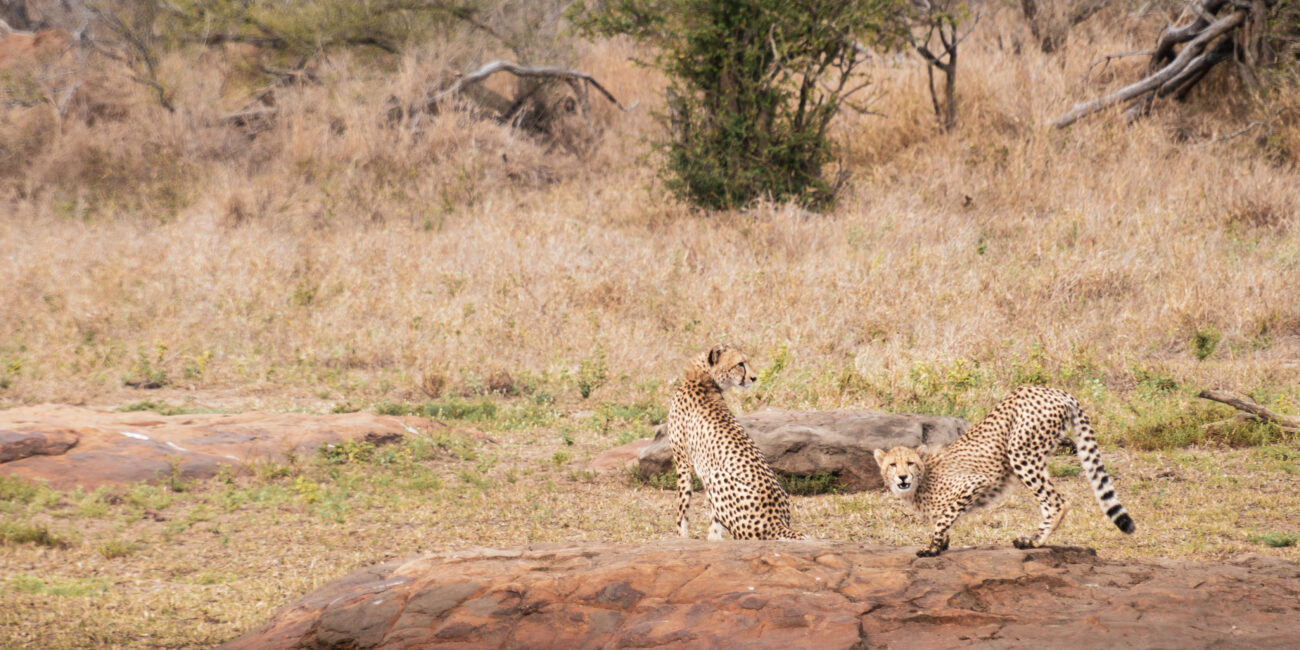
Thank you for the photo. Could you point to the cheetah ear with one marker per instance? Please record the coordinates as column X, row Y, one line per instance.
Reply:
column 880, row 455
column 716, row 353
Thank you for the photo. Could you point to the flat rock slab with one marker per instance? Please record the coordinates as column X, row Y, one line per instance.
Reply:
column 68, row 446
column 782, row 595
column 805, row 443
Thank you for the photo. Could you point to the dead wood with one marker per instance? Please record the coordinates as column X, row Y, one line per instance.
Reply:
column 523, row 72
column 1188, row 66
column 1252, row 411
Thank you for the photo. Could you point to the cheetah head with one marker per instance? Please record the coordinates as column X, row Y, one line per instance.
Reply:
column 729, row 367
column 902, row 470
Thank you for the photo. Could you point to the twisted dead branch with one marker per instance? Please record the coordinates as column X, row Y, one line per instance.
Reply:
column 1252, row 411
column 1186, row 68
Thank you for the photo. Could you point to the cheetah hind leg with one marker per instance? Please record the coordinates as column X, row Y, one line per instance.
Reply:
column 716, row 530
column 683, row 495
column 1050, row 501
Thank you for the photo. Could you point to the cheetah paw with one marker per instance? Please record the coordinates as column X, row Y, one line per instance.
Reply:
column 1023, row 542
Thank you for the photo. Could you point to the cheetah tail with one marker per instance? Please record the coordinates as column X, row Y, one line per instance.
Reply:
column 1085, row 442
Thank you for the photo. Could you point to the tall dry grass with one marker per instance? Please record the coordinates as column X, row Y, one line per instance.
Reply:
column 338, row 258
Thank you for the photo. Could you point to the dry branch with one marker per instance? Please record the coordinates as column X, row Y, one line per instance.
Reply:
column 1174, row 71
column 528, row 72
column 1252, row 410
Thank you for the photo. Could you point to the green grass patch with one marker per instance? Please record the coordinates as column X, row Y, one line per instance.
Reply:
column 206, row 578
column 1063, row 468
column 12, row 532
column 115, row 548
column 484, row 410
column 1169, row 424
column 159, row 407
column 29, row 584
column 820, row 483
column 20, row 490
column 1275, row 539
column 661, row 481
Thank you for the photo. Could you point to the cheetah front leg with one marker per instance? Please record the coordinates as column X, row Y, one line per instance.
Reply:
column 944, row 519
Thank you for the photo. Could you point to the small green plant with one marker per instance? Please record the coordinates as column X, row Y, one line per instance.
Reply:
column 175, row 479
column 93, row 505
column 560, row 457
column 1275, row 539
column 1204, row 341
column 307, row 489
column 350, row 451
column 147, row 371
column 1031, row 369
column 195, row 366
column 592, row 373
column 149, row 497
column 1061, row 468
column 1152, row 383
column 115, row 548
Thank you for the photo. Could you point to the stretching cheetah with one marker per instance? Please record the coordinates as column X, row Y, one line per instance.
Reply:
column 1015, row 438
column 747, row 500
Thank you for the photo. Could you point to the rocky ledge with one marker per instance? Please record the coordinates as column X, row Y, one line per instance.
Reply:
column 697, row 594
column 67, row 446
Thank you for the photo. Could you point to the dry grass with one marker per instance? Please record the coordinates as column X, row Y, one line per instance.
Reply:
column 334, row 258
column 337, row 262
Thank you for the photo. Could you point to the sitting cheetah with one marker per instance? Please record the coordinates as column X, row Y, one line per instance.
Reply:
column 747, row 500
column 1015, row 438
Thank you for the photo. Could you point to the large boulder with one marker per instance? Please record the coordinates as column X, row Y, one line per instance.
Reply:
column 697, row 594
column 67, row 446
column 805, row 443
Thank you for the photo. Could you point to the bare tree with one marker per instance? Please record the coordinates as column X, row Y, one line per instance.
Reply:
column 935, row 35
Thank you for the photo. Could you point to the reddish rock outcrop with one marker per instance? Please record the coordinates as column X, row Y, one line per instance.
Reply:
column 68, row 445
column 805, row 443
column 697, row 594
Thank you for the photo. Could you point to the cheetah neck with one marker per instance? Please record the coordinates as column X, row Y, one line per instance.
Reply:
column 697, row 377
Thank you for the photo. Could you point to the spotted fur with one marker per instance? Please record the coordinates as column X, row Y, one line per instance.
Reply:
column 1014, row 440
column 747, row 500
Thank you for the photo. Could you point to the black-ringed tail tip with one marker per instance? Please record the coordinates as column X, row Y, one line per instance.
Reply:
column 1123, row 521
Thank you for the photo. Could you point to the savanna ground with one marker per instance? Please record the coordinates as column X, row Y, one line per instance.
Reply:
column 540, row 304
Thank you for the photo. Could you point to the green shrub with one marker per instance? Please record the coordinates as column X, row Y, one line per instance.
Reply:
column 19, row 533
column 1204, row 341
column 753, row 86
column 1276, row 539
